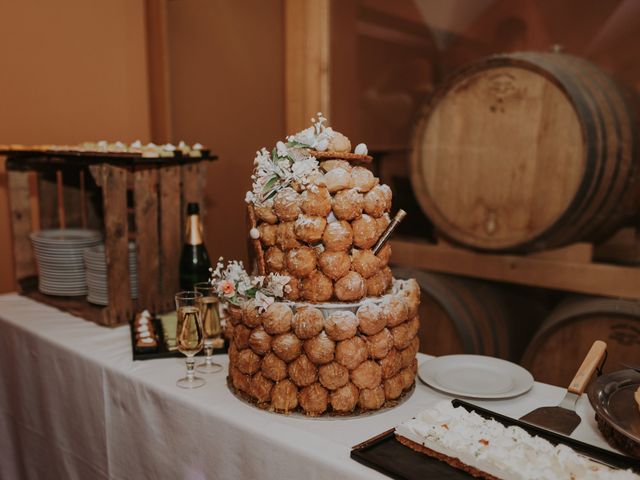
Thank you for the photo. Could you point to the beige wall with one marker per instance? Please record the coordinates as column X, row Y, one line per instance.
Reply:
column 227, row 89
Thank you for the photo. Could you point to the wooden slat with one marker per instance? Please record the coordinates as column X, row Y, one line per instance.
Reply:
column 590, row 278
column 47, row 194
column 307, row 79
column 147, row 241
column 170, row 235
column 114, row 194
column 19, row 205
column 60, row 200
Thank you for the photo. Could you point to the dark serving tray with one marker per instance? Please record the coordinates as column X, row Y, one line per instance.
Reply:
column 163, row 350
column 388, row 456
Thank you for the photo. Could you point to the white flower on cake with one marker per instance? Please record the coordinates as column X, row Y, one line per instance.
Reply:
column 292, row 161
column 234, row 284
column 263, row 301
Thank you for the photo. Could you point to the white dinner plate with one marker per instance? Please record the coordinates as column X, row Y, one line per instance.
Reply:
column 475, row 376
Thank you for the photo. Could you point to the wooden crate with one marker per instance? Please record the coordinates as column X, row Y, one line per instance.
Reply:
column 125, row 196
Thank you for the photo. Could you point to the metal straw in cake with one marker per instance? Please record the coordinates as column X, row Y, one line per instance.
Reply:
column 389, row 230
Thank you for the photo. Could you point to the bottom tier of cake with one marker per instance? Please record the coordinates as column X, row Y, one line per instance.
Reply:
column 340, row 358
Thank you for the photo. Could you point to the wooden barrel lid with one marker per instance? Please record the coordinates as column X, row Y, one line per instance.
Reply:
column 499, row 155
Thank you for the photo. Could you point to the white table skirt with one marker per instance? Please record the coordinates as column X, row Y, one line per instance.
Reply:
column 74, row 405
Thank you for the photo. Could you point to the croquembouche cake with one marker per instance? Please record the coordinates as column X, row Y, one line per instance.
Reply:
column 324, row 328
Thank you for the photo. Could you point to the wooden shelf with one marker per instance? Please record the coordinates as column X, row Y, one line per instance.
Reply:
column 570, row 272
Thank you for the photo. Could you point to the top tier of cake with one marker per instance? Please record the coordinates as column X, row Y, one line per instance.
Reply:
column 318, row 212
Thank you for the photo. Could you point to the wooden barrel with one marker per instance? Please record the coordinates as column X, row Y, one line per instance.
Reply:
column 565, row 337
column 461, row 315
column 527, row 151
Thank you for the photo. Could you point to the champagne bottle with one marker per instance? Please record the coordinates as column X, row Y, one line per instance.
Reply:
column 194, row 261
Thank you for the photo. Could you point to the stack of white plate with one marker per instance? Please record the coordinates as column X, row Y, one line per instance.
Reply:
column 96, row 266
column 59, row 255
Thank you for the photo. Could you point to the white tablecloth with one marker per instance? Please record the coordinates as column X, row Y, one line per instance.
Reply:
column 74, row 405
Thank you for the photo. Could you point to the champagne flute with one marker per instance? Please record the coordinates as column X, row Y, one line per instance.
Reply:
column 210, row 315
column 189, row 335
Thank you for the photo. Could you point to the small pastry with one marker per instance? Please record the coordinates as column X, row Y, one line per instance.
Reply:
column 365, row 232
column 250, row 315
column 310, row 228
column 339, row 143
column 328, row 165
column 411, row 295
column 292, row 288
column 320, row 349
column 316, row 201
column 391, row 364
column 286, row 204
column 401, row 337
column 365, row 262
column 307, row 322
column 351, row 287
column 380, row 344
column 314, row 399
column 337, row 179
column 146, row 343
column 382, row 223
column 277, row 319
column 240, row 381
column 347, row 204
column 341, row 325
column 393, row 387
column 334, row 264
column 376, row 284
column 234, row 314
column 333, row 375
column 363, row 179
column 228, row 331
column 370, row 318
column 367, row 375
column 274, row 258
column 409, row 354
column 284, row 396
column 301, row 261
column 377, row 201
column 371, row 399
column 384, row 254
column 351, row 352
column 286, row 346
column 260, row 388
column 345, row 399
column 265, row 212
column 395, row 310
column 241, row 336
column 268, row 234
column 260, row 341
column 273, row 368
column 302, row 371
column 413, row 326
column 248, row 361
column 286, row 236
column 317, row 287
column 408, row 375
column 233, row 353
column 338, row 236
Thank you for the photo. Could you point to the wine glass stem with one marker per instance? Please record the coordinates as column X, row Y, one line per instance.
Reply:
column 190, row 362
column 208, row 351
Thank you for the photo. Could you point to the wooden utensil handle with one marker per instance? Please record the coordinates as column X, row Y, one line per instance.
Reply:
column 589, row 365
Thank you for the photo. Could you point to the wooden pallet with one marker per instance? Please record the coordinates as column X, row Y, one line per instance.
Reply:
column 571, row 268
column 125, row 197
